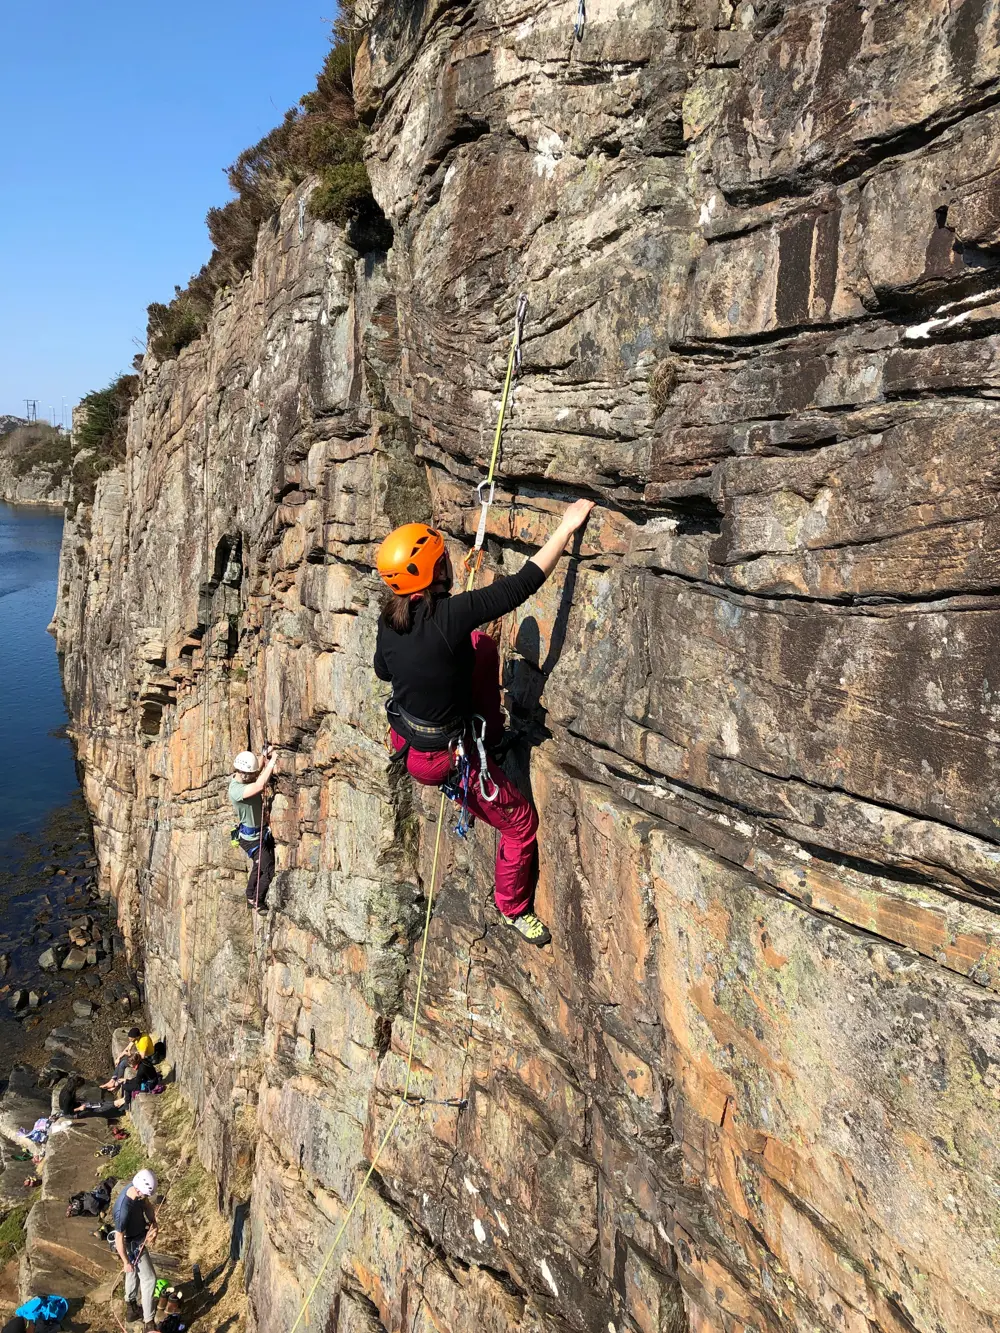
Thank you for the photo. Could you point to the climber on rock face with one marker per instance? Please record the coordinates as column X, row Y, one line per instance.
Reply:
column 246, row 793
column 445, row 676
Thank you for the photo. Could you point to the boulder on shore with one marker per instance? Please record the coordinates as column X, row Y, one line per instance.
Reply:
column 21, row 1105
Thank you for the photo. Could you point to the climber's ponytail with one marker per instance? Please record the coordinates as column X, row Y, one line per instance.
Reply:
column 397, row 610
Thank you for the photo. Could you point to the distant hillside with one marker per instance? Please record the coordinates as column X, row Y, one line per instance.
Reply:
column 35, row 462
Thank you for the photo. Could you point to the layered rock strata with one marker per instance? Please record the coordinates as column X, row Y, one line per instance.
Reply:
column 753, row 1084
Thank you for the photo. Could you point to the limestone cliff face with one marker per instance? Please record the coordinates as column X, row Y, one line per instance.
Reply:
column 754, row 1082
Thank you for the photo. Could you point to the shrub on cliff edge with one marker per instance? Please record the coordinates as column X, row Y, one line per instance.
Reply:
column 100, row 431
column 320, row 136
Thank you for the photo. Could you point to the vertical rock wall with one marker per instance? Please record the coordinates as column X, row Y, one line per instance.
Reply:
column 754, row 1082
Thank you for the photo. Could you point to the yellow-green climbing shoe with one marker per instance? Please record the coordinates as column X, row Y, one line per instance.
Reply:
column 533, row 930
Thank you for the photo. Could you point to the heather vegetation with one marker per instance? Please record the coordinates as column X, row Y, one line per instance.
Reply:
column 321, row 136
column 100, row 432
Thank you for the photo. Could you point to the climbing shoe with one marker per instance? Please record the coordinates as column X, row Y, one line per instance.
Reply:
column 533, row 930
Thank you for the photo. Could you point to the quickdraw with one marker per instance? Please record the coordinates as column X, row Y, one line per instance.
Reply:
column 486, row 489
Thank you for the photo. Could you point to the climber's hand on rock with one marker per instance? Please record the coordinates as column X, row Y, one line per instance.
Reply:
column 577, row 514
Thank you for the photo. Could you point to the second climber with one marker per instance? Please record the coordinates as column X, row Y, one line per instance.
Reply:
column 254, row 837
column 445, row 675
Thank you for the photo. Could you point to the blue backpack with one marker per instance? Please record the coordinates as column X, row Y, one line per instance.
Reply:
column 45, row 1309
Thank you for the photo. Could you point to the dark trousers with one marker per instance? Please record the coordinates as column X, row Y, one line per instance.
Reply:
column 129, row 1088
column 261, row 854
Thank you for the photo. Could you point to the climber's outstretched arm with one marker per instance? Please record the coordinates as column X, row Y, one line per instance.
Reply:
column 261, row 782
column 575, row 516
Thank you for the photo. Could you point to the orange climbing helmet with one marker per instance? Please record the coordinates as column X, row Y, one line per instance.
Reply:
column 407, row 558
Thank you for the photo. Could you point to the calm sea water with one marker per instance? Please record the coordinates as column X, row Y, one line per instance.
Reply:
column 36, row 767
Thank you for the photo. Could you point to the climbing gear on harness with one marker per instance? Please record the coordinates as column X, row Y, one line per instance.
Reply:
column 528, row 925
column 488, row 789
column 407, row 558
column 430, row 736
column 246, row 762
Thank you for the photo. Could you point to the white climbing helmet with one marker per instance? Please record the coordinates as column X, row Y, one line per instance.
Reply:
column 246, row 762
column 145, row 1183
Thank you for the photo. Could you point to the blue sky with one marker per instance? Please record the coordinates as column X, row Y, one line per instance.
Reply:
column 116, row 121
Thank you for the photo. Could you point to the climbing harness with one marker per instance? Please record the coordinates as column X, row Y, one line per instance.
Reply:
column 474, row 560
column 581, row 20
column 429, row 737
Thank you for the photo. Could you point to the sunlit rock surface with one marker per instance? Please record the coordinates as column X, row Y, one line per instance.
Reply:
column 753, row 1084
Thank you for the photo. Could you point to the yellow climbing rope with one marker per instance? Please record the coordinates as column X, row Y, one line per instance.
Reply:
column 486, row 489
column 485, row 492
column 406, row 1081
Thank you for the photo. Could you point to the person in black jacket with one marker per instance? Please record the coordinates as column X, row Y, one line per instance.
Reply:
column 139, row 1073
column 446, row 693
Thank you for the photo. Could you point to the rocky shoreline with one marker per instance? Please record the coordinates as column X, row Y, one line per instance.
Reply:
column 62, row 960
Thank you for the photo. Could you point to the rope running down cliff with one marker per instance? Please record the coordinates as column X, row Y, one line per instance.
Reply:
column 485, row 492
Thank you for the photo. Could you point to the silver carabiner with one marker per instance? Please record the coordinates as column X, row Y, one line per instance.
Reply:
column 484, row 509
column 485, row 776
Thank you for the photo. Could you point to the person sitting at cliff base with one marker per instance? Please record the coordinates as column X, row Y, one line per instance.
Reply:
column 446, row 689
column 140, row 1043
column 246, row 793
column 140, row 1076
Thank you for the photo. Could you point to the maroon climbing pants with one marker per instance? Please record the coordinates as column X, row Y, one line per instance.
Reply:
column 511, row 814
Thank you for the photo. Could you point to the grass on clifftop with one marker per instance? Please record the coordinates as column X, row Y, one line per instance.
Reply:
column 12, row 1237
column 320, row 136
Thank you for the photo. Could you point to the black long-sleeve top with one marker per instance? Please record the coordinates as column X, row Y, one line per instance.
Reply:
column 430, row 666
